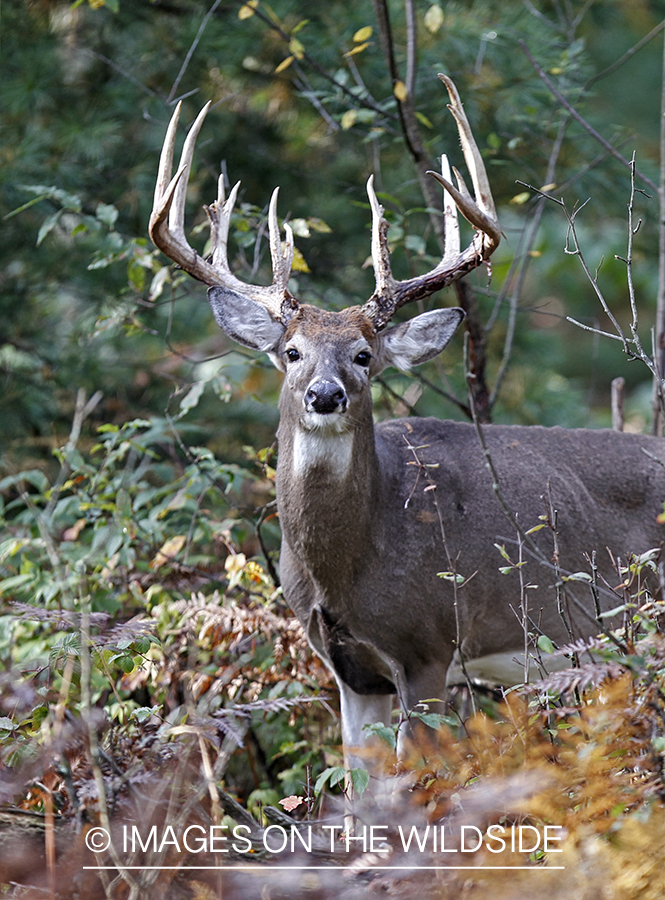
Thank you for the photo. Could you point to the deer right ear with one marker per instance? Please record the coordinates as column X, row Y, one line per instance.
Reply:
column 418, row 339
column 245, row 320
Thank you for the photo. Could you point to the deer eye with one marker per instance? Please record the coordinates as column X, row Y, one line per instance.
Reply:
column 292, row 354
column 363, row 358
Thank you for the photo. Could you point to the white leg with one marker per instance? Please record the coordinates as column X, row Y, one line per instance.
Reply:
column 357, row 711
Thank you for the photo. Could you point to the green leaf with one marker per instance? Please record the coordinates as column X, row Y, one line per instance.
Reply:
column 359, row 780
column 386, row 733
column 545, row 644
column 48, row 225
column 106, row 213
column 16, row 581
column 332, row 776
column 31, row 476
column 432, row 720
column 191, row 399
column 143, row 713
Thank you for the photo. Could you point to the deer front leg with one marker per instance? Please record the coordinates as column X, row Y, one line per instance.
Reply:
column 357, row 711
column 428, row 684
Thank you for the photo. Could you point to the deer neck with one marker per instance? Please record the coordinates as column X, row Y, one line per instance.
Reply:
column 327, row 489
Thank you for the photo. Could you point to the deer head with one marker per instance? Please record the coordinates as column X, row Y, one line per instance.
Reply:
column 260, row 316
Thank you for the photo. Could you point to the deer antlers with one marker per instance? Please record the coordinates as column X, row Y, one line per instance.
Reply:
column 389, row 294
column 168, row 234
column 167, row 228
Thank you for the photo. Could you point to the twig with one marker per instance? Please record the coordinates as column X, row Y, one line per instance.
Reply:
column 369, row 102
column 526, row 537
column 518, row 268
column 578, row 118
column 190, row 52
column 657, row 401
column 431, row 488
column 463, row 407
column 627, row 55
column 411, row 47
column 409, row 124
column 120, row 71
column 81, row 412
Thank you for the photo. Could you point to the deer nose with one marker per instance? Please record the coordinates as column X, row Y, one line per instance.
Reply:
column 325, row 397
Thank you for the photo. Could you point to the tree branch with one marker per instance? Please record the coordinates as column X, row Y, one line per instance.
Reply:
column 578, row 118
column 659, row 336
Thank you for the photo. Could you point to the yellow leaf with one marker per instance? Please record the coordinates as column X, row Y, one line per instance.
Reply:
column 168, row 551
column 549, row 187
column 247, row 10
column 434, row 18
column 299, row 264
column 519, row 199
column 319, row 225
column 363, row 34
column 71, row 534
column 358, row 49
column 296, row 48
column 285, row 63
column 400, row 91
column 348, row 119
column 235, row 563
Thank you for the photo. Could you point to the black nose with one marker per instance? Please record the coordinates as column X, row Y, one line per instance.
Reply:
column 325, row 397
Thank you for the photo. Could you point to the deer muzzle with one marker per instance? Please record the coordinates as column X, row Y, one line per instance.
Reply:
column 325, row 397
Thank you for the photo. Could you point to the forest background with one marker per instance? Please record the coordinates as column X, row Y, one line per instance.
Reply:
column 139, row 553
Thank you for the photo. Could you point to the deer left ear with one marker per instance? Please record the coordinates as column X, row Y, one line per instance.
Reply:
column 419, row 339
column 247, row 322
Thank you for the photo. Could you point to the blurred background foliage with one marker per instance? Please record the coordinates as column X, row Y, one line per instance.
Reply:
column 137, row 448
column 88, row 90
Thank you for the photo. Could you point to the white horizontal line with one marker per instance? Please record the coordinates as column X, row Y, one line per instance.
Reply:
column 332, row 868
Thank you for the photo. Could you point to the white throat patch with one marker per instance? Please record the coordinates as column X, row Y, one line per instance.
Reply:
column 324, row 449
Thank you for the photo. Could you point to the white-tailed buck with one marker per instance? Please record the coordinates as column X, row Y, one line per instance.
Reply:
column 371, row 515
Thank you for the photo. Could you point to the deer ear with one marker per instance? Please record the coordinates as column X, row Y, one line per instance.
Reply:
column 245, row 320
column 419, row 339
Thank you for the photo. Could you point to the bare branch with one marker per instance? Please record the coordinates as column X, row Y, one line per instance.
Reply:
column 518, row 268
column 658, row 400
column 578, row 118
column 627, row 55
column 190, row 52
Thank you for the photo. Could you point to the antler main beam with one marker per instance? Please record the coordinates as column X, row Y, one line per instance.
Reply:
column 167, row 228
column 390, row 294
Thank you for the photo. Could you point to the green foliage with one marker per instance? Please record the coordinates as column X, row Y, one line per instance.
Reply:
column 132, row 548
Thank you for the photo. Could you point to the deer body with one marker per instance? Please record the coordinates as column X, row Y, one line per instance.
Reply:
column 371, row 516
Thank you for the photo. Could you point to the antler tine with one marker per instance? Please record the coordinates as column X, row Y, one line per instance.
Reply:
column 219, row 216
column 452, row 244
column 177, row 212
column 472, row 156
column 389, row 294
column 166, row 156
column 167, row 229
column 380, row 252
column 282, row 260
